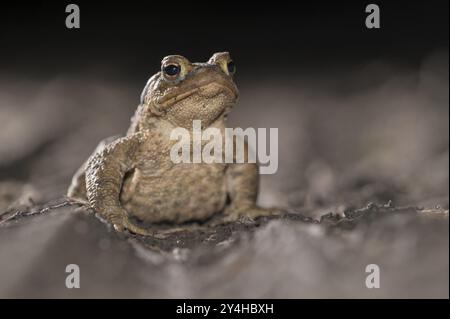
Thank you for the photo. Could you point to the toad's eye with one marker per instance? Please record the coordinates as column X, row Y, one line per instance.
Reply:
column 231, row 67
column 172, row 70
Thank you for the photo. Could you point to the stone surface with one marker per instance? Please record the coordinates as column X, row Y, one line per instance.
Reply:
column 289, row 257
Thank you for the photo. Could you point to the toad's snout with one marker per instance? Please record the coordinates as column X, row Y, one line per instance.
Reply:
column 214, row 89
column 212, row 81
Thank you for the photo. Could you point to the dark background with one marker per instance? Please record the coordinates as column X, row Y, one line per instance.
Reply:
column 362, row 113
column 283, row 36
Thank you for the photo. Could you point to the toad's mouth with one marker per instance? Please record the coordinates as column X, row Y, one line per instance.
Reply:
column 207, row 90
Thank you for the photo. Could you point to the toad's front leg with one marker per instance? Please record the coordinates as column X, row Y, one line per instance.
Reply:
column 105, row 172
column 243, row 184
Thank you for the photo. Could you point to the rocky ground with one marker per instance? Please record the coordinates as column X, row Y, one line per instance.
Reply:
column 363, row 173
column 291, row 256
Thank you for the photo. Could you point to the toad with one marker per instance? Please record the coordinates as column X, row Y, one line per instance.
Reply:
column 133, row 177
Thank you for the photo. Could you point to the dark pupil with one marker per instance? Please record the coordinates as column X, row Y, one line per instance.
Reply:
column 231, row 67
column 172, row 69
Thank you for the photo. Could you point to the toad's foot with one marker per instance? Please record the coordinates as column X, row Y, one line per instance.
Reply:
column 122, row 224
column 248, row 215
column 127, row 225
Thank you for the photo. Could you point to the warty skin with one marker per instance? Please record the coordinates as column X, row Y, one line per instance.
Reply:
column 134, row 175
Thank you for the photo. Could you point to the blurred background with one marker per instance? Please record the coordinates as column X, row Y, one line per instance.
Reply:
column 362, row 113
column 363, row 116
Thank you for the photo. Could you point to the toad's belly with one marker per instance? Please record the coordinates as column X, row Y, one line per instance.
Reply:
column 182, row 193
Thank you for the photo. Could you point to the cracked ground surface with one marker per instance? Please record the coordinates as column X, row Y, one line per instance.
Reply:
column 363, row 169
column 291, row 256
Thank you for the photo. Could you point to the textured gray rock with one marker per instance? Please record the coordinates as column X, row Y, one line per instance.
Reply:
column 289, row 257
